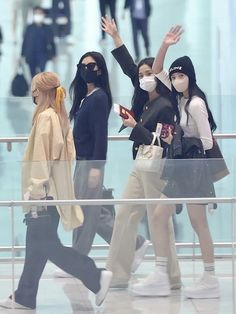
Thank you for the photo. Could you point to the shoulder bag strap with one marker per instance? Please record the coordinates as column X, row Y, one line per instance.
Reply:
column 157, row 134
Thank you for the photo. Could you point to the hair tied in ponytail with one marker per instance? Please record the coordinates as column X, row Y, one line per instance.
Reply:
column 60, row 95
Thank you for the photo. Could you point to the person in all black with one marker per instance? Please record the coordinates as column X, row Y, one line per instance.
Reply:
column 150, row 104
column 103, row 5
column 140, row 11
column 92, row 101
column 61, row 18
column 38, row 44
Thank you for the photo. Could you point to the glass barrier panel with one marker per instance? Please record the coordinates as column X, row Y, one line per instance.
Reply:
column 118, row 179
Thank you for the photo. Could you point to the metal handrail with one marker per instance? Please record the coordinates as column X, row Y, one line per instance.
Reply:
column 20, row 139
column 98, row 247
column 138, row 201
column 10, row 140
column 149, row 257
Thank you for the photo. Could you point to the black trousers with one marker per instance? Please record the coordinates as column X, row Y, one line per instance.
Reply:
column 140, row 25
column 42, row 244
column 37, row 64
column 112, row 7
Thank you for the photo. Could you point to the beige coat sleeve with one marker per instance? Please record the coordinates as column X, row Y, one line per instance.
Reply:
column 47, row 145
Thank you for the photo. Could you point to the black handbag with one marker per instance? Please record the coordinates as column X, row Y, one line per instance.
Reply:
column 19, row 84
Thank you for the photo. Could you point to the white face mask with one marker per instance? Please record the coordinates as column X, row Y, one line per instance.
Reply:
column 148, row 83
column 181, row 84
column 38, row 18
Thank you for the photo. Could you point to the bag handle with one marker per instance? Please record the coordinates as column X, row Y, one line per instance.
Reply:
column 157, row 134
column 20, row 66
column 154, row 138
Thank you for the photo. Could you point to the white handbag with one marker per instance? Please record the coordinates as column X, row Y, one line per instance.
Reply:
column 149, row 157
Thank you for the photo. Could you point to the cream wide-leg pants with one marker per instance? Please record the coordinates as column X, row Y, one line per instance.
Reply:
column 122, row 247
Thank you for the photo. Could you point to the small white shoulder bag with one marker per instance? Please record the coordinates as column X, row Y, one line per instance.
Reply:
column 149, row 157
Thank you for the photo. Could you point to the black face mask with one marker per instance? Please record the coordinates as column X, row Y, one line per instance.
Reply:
column 88, row 74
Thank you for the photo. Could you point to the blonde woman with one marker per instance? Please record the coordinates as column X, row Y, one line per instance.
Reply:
column 47, row 173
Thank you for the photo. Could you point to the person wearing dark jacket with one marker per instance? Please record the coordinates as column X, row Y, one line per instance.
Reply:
column 38, row 44
column 151, row 105
column 140, row 11
column 61, row 18
column 92, row 103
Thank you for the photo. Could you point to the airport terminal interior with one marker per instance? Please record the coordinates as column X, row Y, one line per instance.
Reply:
column 209, row 39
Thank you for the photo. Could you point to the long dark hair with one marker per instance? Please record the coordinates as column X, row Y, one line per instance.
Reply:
column 78, row 88
column 140, row 96
column 194, row 90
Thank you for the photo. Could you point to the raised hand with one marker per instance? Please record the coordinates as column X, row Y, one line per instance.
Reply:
column 109, row 26
column 173, row 36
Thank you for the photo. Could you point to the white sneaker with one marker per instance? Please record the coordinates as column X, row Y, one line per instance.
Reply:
column 206, row 288
column 105, row 280
column 59, row 273
column 156, row 284
column 139, row 255
column 10, row 304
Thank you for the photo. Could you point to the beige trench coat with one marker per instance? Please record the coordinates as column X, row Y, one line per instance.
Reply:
column 47, row 166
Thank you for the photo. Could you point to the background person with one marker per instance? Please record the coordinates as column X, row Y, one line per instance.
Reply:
column 38, row 43
column 61, row 19
column 104, row 5
column 140, row 11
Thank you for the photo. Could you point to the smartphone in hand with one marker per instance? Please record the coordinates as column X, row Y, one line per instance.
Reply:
column 122, row 111
column 166, row 128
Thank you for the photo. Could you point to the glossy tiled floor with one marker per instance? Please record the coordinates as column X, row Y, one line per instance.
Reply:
column 65, row 296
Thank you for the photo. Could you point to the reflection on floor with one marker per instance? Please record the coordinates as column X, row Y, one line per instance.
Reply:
column 65, row 296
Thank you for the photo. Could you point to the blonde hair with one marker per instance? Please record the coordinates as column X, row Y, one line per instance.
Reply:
column 50, row 95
